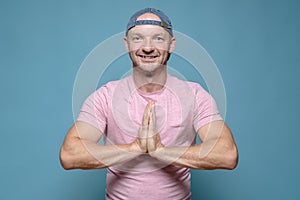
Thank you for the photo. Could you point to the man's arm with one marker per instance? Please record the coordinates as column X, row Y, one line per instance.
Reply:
column 217, row 151
column 81, row 150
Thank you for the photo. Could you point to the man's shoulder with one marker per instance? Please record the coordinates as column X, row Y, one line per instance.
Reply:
column 110, row 86
column 175, row 81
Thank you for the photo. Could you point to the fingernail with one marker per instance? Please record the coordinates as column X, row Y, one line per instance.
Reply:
column 151, row 101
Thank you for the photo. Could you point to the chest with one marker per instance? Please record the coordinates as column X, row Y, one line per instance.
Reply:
column 174, row 119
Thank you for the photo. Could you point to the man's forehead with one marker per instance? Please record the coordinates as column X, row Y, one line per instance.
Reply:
column 148, row 30
column 149, row 16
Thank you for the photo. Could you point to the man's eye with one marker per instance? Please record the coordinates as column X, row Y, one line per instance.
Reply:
column 159, row 39
column 137, row 39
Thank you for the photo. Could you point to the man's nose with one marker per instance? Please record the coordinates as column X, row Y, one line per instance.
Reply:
column 148, row 46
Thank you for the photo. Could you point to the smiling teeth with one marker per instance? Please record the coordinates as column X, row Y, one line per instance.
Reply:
column 148, row 56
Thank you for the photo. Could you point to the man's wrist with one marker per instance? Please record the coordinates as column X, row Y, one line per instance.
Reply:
column 135, row 148
column 158, row 152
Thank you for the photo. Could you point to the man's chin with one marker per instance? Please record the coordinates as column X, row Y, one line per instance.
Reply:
column 150, row 67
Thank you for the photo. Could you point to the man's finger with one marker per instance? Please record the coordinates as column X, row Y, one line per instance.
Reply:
column 153, row 117
column 152, row 122
column 146, row 115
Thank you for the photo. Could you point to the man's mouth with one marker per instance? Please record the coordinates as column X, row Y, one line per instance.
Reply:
column 147, row 57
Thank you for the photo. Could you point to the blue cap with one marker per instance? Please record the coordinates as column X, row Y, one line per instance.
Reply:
column 164, row 20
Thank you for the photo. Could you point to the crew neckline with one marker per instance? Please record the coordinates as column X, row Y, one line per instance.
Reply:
column 157, row 92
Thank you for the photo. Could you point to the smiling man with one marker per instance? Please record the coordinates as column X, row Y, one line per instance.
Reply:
column 149, row 121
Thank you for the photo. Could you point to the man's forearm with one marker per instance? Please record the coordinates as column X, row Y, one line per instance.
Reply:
column 81, row 154
column 190, row 157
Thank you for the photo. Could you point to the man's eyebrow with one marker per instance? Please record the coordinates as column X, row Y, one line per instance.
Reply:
column 136, row 34
column 159, row 34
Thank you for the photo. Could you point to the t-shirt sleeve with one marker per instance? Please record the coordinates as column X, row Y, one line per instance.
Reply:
column 206, row 109
column 94, row 109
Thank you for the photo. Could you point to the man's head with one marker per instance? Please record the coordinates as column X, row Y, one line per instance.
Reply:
column 160, row 20
column 149, row 39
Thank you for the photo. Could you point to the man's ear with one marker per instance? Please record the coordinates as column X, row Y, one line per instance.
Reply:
column 172, row 45
column 126, row 44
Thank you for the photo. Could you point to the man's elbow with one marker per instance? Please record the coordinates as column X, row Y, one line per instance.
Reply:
column 65, row 159
column 231, row 160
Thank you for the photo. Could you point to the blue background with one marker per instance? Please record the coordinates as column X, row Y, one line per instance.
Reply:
column 255, row 45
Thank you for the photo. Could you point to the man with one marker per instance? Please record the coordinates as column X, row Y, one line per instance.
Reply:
column 149, row 120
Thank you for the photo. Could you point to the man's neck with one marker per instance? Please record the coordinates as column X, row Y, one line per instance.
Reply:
column 150, row 81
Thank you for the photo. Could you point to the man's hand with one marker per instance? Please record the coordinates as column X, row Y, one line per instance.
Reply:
column 153, row 138
column 148, row 140
column 141, row 140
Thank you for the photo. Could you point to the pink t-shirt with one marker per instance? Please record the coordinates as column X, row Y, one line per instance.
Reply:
column 117, row 108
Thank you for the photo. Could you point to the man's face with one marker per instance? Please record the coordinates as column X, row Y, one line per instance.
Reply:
column 149, row 46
